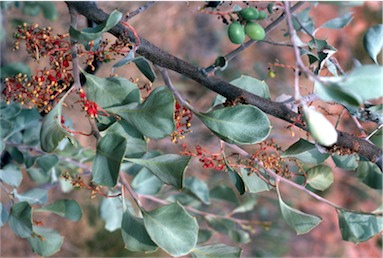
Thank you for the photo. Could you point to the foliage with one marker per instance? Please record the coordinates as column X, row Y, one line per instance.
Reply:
column 39, row 141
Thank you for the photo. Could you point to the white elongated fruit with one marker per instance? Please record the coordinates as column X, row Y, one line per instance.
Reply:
column 320, row 128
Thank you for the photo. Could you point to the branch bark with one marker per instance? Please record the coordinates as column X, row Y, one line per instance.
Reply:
column 161, row 58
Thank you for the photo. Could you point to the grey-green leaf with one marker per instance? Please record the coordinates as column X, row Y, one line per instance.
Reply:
column 154, row 117
column 301, row 222
column 90, row 34
column 338, row 22
column 320, row 177
column 111, row 91
column 45, row 241
column 242, row 124
column 348, row 162
column 198, row 188
column 373, row 41
column 134, row 234
column 370, row 174
column 68, row 209
column 176, row 236
column 359, row 227
column 11, row 175
column 145, row 68
column 169, row 168
column 224, row 193
column 106, row 164
column 253, row 182
column 20, row 219
column 51, row 130
column 4, row 215
column 216, row 251
column 247, row 83
column 306, row 152
column 145, row 182
column 33, row 196
column 111, row 211
column 12, row 69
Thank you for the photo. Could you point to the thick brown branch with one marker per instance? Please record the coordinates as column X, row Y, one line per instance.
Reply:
column 214, row 83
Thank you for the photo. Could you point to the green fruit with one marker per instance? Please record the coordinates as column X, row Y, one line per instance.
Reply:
column 236, row 33
column 249, row 13
column 262, row 15
column 255, row 31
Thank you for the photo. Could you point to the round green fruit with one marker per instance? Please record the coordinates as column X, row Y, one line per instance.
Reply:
column 255, row 31
column 262, row 15
column 249, row 13
column 236, row 33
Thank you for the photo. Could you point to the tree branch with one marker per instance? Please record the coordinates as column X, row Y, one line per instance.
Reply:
column 218, row 85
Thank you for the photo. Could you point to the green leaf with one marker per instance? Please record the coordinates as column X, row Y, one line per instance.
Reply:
column 5, row 128
column 145, row 182
column 242, row 124
column 11, row 175
column 198, row 188
column 4, row 215
column 224, row 193
column 20, row 219
column 301, row 222
column 39, row 176
column 111, row 91
column 228, row 227
column 359, row 227
column 248, row 204
column 247, row 83
column 45, row 241
column 111, row 211
column 305, row 152
column 215, row 251
column 10, row 110
column 348, row 162
column 33, row 196
column 135, row 236
column 12, row 69
column 305, row 20
column 106, row 164
column 236, row 180
column 339, row 22
column 334, row 93
column 370, row 174
column 49, row 10
column 204, row 235
column 169, row 168
column 320, row 177
column 145, row 68
column 51, row 130
column 176, row 236
column 47, row 162
column 253, row 182
column 373, row 41
column 68, row 209
column 136, row 145
column 94, row 33
column 364, row 82
column 154, row 117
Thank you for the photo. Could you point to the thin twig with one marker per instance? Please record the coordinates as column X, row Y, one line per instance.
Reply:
column 140, row 10
column 75, row 63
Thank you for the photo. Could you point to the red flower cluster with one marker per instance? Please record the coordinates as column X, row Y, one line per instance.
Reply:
column 209, row 160
column 182, row 117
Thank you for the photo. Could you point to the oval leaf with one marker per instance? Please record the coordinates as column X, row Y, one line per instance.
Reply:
column 20, row 219
column 301, row 222
column 242, row 124
column 198, row 188
column 373, row 41
column 68, row 209
column 145, row 68
column 306, row 152
column 176, row 236
column 106, row 164
column 33, row 196
column 338, row 22
column 45, row 241
column 111, row 91
column 224, row 193
column 370, row 174
column 320, row 177
column 219, row 250
column 146, row 183
column 90, row 34
column 348, row 162
column 3, row 215
column 169, row 168
column 11, row 175
column 52, row 131
column 253, row 182
column 135, row 236
column 111, row 212
column 359, row 227
column 154, row 117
